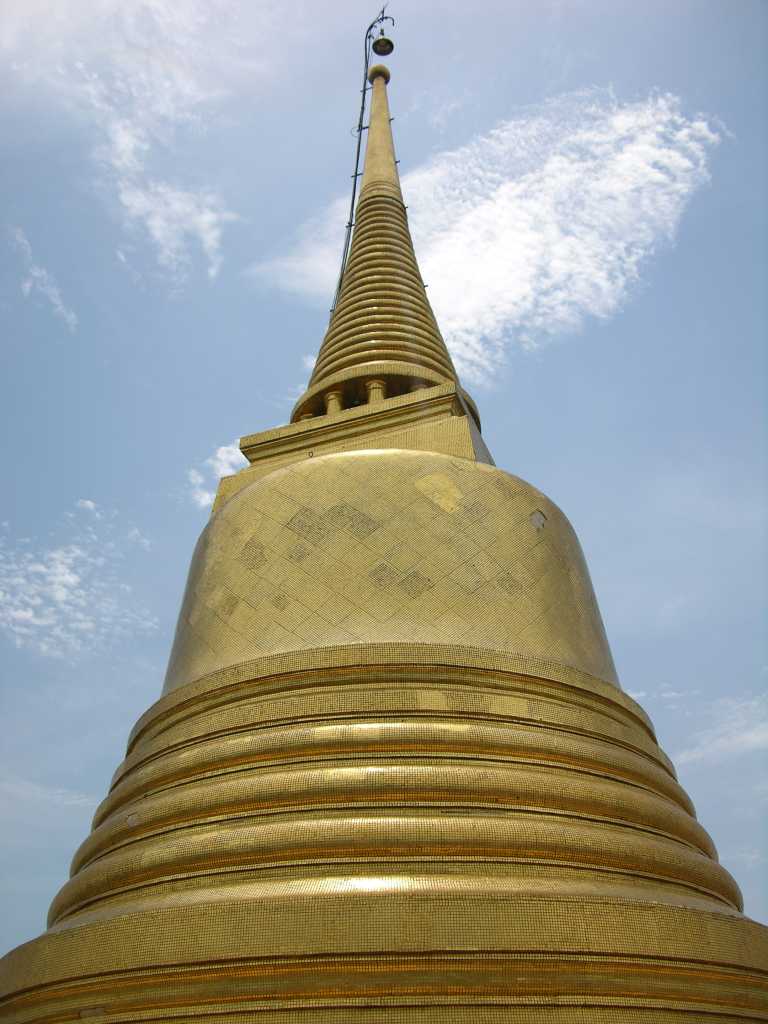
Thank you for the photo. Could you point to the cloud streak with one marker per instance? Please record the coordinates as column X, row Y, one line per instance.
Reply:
column 66, row 599
column 226, row 460
column 38, row 280
column 16, row 790
column 139, row 73
column 173, row 218
column 739, row 726
column 527, row 232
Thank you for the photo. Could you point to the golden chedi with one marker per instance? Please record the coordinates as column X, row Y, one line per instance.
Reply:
column 392, row 776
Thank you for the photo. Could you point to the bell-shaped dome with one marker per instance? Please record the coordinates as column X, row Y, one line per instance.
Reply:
column 388, row 546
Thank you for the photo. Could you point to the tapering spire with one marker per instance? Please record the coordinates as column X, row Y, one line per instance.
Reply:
column 383, row 339
column 380, row 170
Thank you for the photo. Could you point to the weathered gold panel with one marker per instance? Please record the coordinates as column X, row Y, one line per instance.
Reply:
column 388, row 546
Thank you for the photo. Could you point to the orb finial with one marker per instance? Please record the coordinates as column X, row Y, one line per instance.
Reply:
column 378, row 71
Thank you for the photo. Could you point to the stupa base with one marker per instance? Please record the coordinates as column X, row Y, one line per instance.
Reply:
column 394, row 955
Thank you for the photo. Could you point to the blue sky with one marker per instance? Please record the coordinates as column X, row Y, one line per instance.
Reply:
column 585, row 183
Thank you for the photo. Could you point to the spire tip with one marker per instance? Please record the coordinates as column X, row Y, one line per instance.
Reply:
column 378, row 71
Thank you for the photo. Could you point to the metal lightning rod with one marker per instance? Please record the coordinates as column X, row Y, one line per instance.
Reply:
column 382, row 47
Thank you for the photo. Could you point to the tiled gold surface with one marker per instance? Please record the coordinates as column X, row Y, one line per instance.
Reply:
column 348, row 821
column 305, row 834
column 388, row 546
column 437, row 419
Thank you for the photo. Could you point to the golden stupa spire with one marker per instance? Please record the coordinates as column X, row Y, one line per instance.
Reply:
column 383, row 339
column 380, row 169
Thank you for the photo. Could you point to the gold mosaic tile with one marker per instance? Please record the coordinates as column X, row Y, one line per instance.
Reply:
column 477, row 566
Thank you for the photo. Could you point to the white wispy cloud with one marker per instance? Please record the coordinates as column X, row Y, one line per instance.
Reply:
column 135, row 536
column 527, row 231
column 17, row 790
column 200, row 492
column 173, row 217
column 35, row 806
column 440, row 113
column 226, row 460
column 748, row 856
column 738, row 725
column 139, row 73
column 668, row 694
column 39, row 281
column 68, row 598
